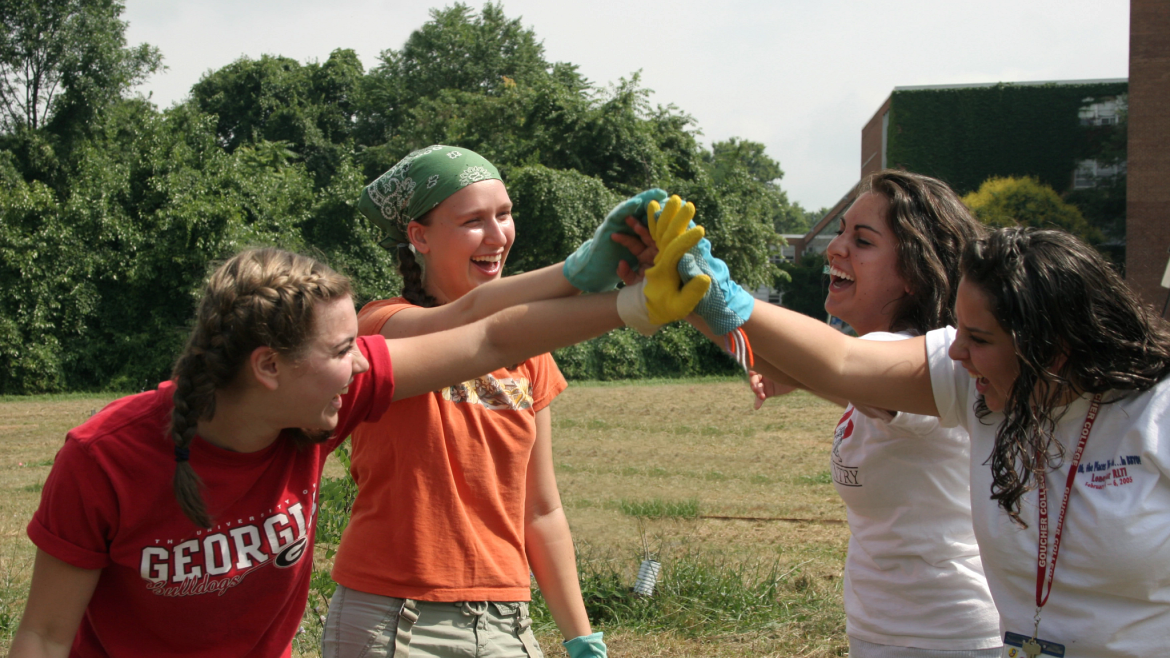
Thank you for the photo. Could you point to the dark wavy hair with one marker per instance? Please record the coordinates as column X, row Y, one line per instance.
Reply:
column 1077, row 328
column 932, row 228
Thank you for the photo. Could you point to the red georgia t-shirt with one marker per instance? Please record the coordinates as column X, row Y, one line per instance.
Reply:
column 168, row 588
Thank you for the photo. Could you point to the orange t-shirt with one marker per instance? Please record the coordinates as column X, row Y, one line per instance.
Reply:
column 439, row 514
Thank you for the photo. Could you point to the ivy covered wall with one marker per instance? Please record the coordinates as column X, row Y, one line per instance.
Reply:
column 966, row 135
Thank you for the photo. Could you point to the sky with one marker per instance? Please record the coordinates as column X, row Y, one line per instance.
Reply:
column 801, row 76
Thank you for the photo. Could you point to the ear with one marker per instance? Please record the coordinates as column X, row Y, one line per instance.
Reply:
column 265, row 365
column 1059, row 361
column 417, row 234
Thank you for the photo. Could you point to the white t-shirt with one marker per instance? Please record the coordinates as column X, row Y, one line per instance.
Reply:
column 1111, row 593
column 913, row 577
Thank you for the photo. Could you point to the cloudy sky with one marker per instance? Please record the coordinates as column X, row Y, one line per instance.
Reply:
column 801, row 76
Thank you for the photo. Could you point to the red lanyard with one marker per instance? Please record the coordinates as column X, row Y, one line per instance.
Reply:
column 1042, row 552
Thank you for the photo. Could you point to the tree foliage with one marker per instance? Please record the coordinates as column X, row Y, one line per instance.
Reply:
column 65, row 57
column 1027, row 202
column 113, row 211
column 806, row 287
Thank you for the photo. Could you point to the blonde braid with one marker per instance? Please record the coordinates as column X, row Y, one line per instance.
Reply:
column 260, row 297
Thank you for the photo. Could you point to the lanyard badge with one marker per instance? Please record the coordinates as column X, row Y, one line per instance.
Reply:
column 1045, row 569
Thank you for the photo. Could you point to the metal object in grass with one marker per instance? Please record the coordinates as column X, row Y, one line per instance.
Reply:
column 648, row 571
column 647, row 577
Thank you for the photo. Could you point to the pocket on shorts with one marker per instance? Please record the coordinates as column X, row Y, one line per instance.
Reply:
column 360, row 625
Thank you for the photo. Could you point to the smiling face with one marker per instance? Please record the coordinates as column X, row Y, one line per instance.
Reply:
column 466, row 240
column 864, row 285
column 983, row 347
column 314, row 382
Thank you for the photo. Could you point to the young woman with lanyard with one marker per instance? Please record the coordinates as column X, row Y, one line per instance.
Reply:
column 454, row 512
column 1059, row 375
column 914, row 583
column 180, row 521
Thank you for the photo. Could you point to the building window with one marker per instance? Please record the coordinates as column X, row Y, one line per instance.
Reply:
column 1090, row 172
column 1102, row 112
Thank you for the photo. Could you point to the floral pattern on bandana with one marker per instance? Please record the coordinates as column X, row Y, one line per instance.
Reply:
column 394, row 189
column 418, row 183
column 474, row 174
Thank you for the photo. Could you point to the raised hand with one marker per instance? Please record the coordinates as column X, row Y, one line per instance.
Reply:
column 664, row 300
column 593, row 267
column 726, row 305
column 660, row 297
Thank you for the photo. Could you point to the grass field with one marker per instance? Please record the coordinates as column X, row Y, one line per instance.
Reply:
column 640, row 467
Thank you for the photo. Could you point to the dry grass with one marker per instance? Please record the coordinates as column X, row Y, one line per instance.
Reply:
column 612, row 443
column 31, row 431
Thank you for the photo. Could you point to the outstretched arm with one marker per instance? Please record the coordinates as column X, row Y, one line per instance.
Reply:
column 888, row 375
column 481, row 302
column 796, row 349
column 56, row 601
column 431, row 361
column 593, row 267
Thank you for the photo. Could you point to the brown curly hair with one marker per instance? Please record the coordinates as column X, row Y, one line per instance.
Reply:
column 932, row 228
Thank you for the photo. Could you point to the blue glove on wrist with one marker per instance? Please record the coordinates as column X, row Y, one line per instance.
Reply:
column 593, row 266
column 726, row 305
column 586, row 646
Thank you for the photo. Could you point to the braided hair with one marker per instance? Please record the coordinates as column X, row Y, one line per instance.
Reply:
column 1056, row 297
column 259, row 297
column 413, row 289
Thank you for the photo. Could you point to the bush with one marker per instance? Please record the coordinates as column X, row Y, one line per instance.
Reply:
column 1025, row 201
column 677, row 350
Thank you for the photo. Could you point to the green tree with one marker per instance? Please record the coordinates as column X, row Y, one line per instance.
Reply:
column 805, row 290
column 1025, row 201
column 111, row 212
column 66, row 58
column 308, row 108
column 458, row 50
column 796, row 219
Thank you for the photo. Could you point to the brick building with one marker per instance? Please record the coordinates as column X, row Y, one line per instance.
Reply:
column 1148, row 179
column 965, row 134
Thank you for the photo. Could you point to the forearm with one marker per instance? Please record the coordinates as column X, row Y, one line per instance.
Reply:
column 777, row 375
column 481, row 302
column 551, row 556
column 29, row 644
column 430, row 361
column 57, row 598
column 491, row 298
column 891, row 375
column 523, row 331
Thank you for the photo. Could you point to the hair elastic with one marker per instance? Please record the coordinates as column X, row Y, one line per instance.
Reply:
column 182, row 454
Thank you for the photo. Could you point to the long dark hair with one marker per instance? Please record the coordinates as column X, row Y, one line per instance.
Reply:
column 932, row 227
column 1062, row 305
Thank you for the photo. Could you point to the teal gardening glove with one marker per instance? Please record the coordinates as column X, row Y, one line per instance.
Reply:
column 726, row 305
column 593, row 266
column 586, row 646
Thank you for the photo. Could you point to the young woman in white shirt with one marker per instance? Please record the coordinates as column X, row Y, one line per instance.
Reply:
column 1059, row 374
column 914, row 583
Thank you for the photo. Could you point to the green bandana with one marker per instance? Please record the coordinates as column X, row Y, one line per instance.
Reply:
column 419, row 182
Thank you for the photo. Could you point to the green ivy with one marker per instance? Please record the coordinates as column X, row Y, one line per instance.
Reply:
column 967, row 135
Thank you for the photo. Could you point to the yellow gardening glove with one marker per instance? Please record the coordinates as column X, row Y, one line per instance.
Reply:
column 665, row 301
